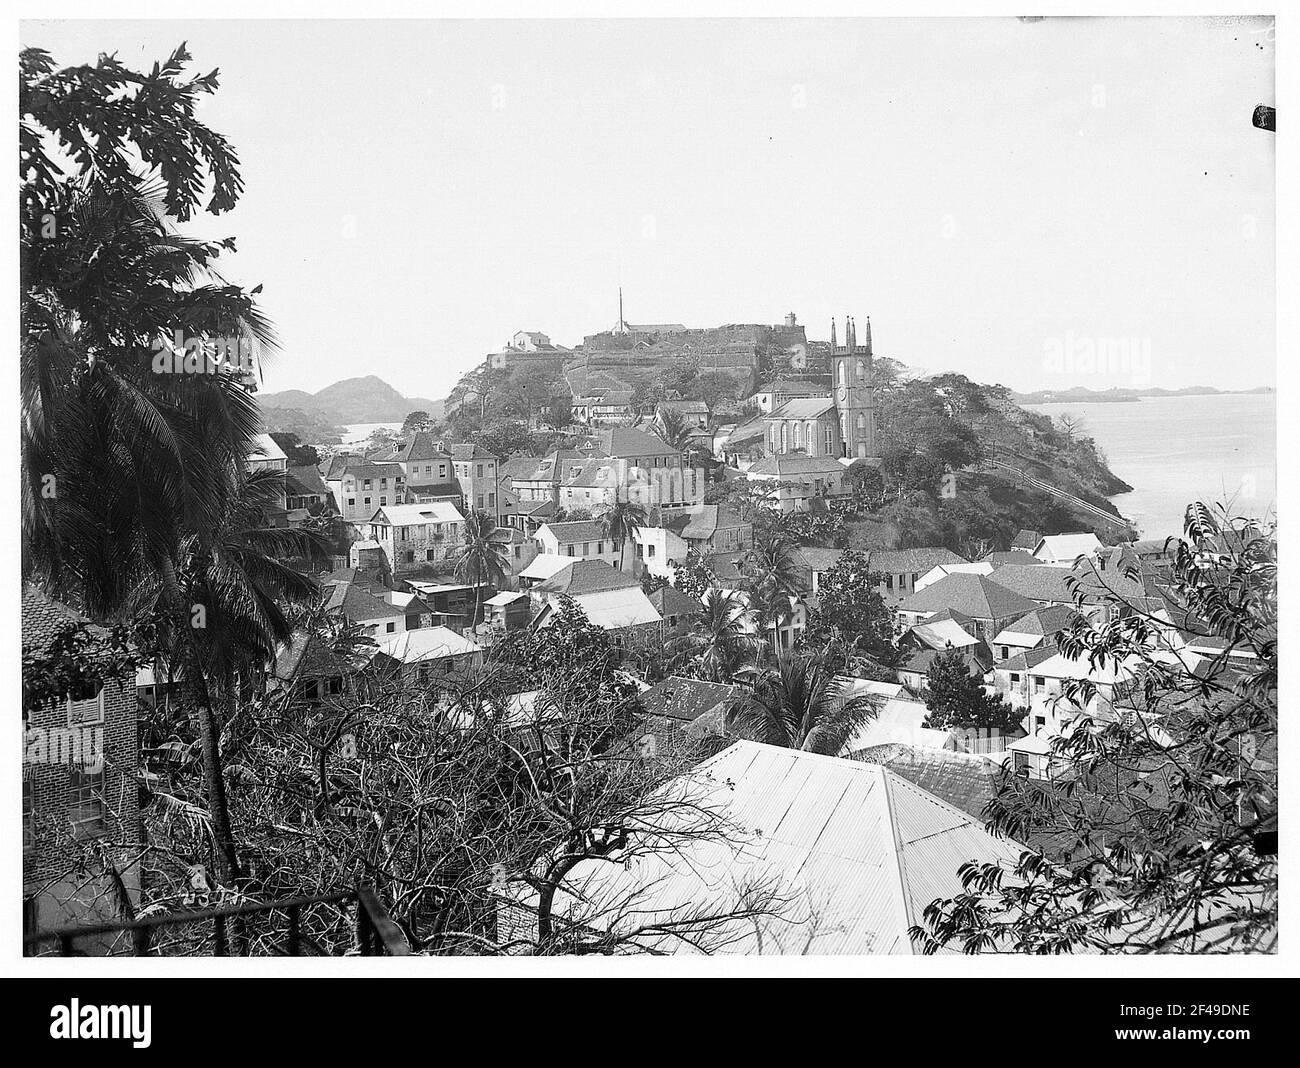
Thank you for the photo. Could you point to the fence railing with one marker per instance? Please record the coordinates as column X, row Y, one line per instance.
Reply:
column 375, row 933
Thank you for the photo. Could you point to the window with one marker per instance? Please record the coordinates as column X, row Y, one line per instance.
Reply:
column 335, row 684
column 586, row 548
column 830, row 440
column 367, row 502
column 366, row 484
column 652, row 552
column 861, row 370
column 383, row 501
column 352, row 502
column 568, row 550
column 1040, row 722
column 1015, row 678
column 390, row 627
column 428, row 554
column 383, row 483
column 86, row 706
column 478, row 473
column 1022, row 762
column 86, row 801
column 1039, row 682
column 1004, row 652
column 480, row 500
column 492, row 500
column 410, row 556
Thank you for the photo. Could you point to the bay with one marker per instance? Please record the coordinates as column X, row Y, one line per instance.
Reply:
column 1174, row 450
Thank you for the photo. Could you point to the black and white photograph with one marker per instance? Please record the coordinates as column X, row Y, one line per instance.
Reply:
column 605, row 491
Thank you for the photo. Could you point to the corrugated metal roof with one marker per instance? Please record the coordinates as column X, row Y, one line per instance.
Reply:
column 857, row 853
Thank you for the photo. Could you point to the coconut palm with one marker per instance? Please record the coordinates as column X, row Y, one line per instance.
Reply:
column 482, row 556
column 769, row 563
column 129, row 471
column 720, row 639
column 670, row 426
column 798, row 704
column 622, row 521
column 771, row 608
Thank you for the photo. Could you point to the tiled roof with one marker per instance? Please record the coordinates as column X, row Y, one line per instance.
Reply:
column 371, row 469
column 587, row 576
column 578, row 530
column 816, row 559
column 1027, row 540
column 670, row 601
column 976, row 595
column 470, row 452
column 422, row 446
column 686, row 699
column 339, row 463
column 1039, row 582
column 1041, row 622
column 624, row 442
column 910, row 561
column 1029, row 658
column 796, row 464
column 43, row 618
column 307, row 480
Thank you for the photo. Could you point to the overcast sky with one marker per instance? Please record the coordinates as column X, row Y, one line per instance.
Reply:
column 998, row 196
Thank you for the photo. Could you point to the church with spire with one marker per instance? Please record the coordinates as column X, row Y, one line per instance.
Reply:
column 842, row 425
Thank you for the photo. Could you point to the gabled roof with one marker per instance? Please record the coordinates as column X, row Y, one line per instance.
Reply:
column 339, row 463
column 370, row 469
column 470, row 452
column 1030, row 658
column 858, row 852
column 579, row 530
column 426, row 643
column 784, row 464
column 622, row 441
column 1038, row 582
column 803, row 408
column 1066, row 547
column 422, row 446
column 1027, row 540
column 816, row 559
column 403, row 515
column 684, row 699
column 1039, row 624
column 915, row 561
column 976, row 595
column 303, row 481
column 265, row 448
column 964, row 780
column 586, row 576
column 670, row 601
column 611, row 609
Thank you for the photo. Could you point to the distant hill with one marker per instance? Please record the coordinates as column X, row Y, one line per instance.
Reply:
column 1083, row 395
column 354, row 400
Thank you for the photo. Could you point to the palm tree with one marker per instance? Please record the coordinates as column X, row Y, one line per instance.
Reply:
column 672, row 428
column 720, row 639
column 798, row 704
column 482, row 556
column 225, row 603
column 128, row 472
column 622, row 521
column 770, row 607
column 770, row 562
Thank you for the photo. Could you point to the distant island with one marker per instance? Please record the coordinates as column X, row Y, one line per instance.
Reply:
column 1084, row 395
column 320, row 416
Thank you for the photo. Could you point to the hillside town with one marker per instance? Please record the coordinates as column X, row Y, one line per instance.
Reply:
column 731, row 639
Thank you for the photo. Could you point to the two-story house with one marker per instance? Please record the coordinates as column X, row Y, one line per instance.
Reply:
column 365, row 486
column 585, row 539
column 412, row 537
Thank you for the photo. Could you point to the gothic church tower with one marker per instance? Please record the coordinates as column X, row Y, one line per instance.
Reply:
column 853, row 392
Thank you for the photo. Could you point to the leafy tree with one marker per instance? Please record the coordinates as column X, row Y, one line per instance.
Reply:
column 417, row 420
column 694, row 576
column 866, row 483
column 298, row 454
column 770, row 562
column 956, row 698
column 129, row 472
column 1157, row 829
column 559, row 411
column 850, row 611
column 798, row 704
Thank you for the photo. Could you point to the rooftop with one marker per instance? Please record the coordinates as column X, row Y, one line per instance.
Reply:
column 977, row 596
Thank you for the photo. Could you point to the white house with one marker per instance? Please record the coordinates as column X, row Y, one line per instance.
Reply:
column 1066, row 548
column 583, row 539
column 939, row 571
column 659, row 550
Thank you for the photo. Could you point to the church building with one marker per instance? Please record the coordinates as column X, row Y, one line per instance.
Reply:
column 842, row 425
